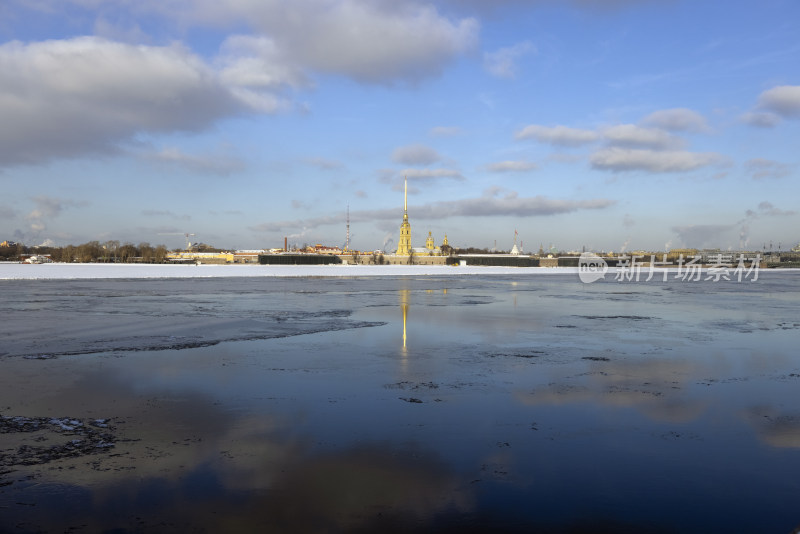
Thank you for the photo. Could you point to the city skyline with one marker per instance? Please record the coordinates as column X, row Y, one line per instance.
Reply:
column 611, row 125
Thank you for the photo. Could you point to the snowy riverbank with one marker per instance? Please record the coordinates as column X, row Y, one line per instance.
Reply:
column 48, row 271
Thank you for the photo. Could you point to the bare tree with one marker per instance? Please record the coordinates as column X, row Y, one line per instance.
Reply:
column 160, row 254
column 128, row 251
column 146, row 252
column 112, row 248
column 88, row 252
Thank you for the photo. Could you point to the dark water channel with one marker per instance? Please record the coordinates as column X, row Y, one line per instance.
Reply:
column 443, row 404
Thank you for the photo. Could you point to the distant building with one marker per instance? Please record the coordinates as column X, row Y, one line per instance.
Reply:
column 515, row 250
column 246, row 256
column 676, row 253
column 430, row 247
column 322, row 249
column 36, row 258
column 200, row 257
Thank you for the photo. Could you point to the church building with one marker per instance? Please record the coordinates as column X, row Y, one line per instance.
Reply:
column 404, row 247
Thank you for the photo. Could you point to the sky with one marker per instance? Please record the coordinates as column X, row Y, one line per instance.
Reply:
column 613, row 125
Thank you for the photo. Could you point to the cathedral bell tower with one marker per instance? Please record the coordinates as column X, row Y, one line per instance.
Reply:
column 404, row 244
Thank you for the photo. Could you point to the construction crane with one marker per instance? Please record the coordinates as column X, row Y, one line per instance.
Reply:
column 184, row 234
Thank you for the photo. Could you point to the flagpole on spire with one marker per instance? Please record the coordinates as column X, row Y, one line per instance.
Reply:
column 405, row 195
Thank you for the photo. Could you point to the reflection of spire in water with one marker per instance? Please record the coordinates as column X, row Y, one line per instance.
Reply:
column 405, row 313
column 404, row 307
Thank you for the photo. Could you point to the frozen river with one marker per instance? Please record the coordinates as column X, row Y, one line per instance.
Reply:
column 508, row 402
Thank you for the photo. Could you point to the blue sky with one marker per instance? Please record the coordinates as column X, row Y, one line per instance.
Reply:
column 610, row 124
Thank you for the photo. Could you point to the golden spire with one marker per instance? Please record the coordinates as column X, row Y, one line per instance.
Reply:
column 405, row 196
column 404, row 244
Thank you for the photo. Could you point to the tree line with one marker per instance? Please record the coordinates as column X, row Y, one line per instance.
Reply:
column 115, row 252
column 91, row 252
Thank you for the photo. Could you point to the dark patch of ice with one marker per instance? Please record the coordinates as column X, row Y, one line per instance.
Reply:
column 87, row 437
column 518, row 354
column 407, row 385
column 626, row 317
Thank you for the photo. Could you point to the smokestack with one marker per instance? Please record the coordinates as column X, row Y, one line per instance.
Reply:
column 286, row 244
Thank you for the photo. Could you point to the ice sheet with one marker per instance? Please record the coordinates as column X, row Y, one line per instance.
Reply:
column 17, row 271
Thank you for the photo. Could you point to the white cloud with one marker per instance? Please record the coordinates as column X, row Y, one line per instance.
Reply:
column 48, row 208
column 677, row 120
column 257, row 62
column 166, row 213
column 767, row 209
column 325, row 164
column 622, row 159
column 558, row 135
column 502, row 63
column 379, row 42
column 783, row 100
column 491, row 6
column 68, row 98
column 760, row 169
column 762, row 119
column 445, row 131
column 630, row 135
column 610, row 4
column 562, row 157
column 426, row 175
column 396, row 178
column 490, row 204
column 512, row 166
column 415, row 155
column 115, row 32
column 220, row 165
column 370, row 42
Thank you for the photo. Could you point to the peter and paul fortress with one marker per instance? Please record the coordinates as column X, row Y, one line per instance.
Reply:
column 404, row 247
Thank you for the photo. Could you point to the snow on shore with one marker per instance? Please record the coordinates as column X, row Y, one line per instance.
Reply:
column 72, row 271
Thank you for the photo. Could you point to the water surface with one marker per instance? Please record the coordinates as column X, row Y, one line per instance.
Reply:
column 400, row 404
